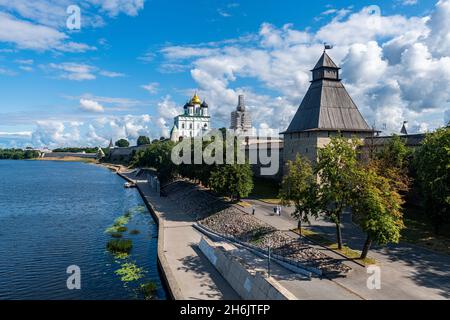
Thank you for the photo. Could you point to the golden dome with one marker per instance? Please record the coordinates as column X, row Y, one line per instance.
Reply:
column 195, row 99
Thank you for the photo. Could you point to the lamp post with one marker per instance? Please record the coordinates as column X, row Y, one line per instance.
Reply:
column 268, row 258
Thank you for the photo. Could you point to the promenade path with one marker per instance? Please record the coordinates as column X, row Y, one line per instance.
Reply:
column 407, row 271
column 195, row 276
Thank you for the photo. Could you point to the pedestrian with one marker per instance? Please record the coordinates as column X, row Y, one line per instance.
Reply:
column 253, row 210
column 275, row 210
column 279, row 210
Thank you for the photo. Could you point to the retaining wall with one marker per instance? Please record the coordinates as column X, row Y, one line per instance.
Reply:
column 248, row 286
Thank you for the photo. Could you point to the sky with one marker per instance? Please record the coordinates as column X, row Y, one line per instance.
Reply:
column 133, row 64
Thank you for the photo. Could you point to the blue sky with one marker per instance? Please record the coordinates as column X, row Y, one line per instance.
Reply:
column 134, row 63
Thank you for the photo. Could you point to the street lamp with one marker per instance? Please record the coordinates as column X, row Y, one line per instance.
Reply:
column 268, row 258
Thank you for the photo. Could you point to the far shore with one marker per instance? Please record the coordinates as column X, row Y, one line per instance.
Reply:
column 67, row 159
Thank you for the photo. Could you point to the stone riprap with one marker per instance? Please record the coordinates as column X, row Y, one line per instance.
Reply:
column 193, row 199
column 233, row 222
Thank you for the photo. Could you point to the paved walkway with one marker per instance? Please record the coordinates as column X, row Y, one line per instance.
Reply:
column 407, row 271
column 196, row 277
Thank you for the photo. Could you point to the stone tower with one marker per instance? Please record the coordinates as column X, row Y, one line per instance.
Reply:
column 240, row 118
column 326, row 110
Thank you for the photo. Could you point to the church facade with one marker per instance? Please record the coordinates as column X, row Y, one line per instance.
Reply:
column 194, row 122
column 326, row 110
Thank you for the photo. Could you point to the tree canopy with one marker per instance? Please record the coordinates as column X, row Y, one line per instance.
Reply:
column 142, row 140
column 233, row 180
column 300, row 188
column 337, row 170
column 18, row 154
column 378, row 209
column 432, row 166
column 122, row 143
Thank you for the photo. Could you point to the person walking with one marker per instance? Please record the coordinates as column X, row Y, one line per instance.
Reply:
column 253, row 210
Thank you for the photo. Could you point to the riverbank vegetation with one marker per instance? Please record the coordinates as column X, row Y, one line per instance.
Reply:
column 18, row 154
column 129, row 271
column 76, row 150
column 121, row 248
column 119, row 245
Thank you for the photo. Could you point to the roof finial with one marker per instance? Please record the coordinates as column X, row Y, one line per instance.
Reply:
column 327, row 46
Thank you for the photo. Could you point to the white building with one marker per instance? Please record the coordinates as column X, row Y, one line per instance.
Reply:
column 194, row 122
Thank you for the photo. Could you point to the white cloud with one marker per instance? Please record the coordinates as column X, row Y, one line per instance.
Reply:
column 7, row 72
column 80, row 71
column 40, row 24
column 96, row 132
column 75, row 71
column 27, row 35
column 91, row 105
column 115, row 7
column 392, row 66
column 181, row 52
column 18, row 134
column 438, row 40
column 151, row 87
column 56, row 134
column 111, row 74
column 409, row 2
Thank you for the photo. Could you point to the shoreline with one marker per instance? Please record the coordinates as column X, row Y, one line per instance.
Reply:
column 169, row 281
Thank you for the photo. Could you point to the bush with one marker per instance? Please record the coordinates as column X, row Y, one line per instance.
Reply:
column 148, row 289
column 116, row 235
column 119, row 245
column 121, row 229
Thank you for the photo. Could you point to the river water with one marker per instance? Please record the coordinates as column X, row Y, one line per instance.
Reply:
column 54, row 215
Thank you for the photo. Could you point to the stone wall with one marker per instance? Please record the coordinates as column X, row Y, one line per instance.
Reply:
column 247, row 285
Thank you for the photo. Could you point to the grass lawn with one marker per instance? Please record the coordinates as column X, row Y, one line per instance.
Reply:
column 346, row 251
column 265, row 190
column 420, row 231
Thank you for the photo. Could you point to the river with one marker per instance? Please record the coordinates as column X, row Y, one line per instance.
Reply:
column 54, row 215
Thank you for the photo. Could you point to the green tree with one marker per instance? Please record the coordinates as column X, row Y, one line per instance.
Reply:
column 395, row 153
column 392, row 162
column 432, row 166
column 157, row 156
column 143, row 140
column 378, row 209
column 337, row 169
column 299, row 187
column 233, row 180
column 122, row 143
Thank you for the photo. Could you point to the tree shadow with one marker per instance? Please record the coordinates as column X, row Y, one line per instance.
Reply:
column 201, row 267
column 430, row 269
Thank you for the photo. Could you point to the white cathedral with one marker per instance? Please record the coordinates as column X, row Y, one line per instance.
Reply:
column 194, row 122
